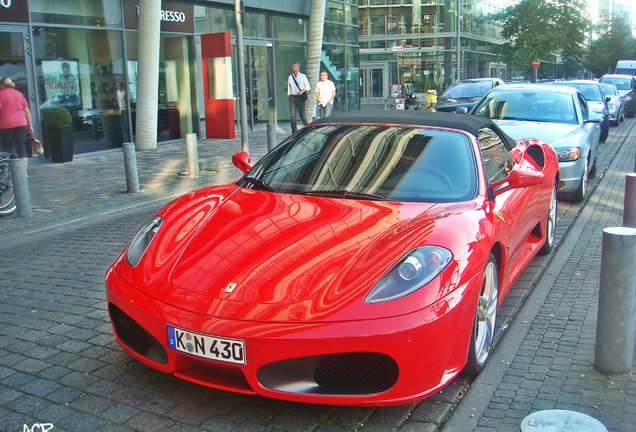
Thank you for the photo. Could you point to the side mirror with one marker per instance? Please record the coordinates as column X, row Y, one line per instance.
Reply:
column 594, row 117
column 242, row 161
column 461, row 110
column 608, row 99
column 517, row 179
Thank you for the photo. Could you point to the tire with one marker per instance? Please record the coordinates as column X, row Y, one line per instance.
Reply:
column 550, row 227
column 7, row 200
column 594, row 165
column 604, row 131
column 579, row 194
column 482, row 334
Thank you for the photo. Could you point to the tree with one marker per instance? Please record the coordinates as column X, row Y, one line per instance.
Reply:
column 314, row 51
column 543, row 29
column 615, row 43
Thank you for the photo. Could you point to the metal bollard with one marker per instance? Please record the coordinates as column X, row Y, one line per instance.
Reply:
column 193, row 155
column 614, row 348
column 130, row 165
column 629, row 208
column 271, row 136
column 21, row 188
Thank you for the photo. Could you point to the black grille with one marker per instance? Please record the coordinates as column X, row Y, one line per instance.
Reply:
column 135, row 336
column 353, row 373
column 367, row 372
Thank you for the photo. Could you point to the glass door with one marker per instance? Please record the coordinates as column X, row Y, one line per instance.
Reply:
column 15, row 63
column 375, row 84
column 259, row 87
column 258, row 84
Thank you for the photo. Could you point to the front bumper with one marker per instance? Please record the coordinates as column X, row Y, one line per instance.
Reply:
column 395, row 360
column 571, row 174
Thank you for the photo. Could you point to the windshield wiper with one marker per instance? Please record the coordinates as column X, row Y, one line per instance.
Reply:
column 344, row 194
column 257, row 182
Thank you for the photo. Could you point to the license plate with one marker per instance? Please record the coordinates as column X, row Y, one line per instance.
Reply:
column 207, row 346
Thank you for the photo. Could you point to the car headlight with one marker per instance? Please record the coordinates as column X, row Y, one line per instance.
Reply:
column 411, row 272
column 141, row 241
column 611, row 106
column 568, row 154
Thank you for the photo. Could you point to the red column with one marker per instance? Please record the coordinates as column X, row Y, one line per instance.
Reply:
column 219, row 112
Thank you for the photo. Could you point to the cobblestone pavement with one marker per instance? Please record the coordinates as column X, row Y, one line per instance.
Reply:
column 60, row 366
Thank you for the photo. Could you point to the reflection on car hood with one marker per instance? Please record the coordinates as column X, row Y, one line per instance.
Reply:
column 280, row 248
column 552, row 133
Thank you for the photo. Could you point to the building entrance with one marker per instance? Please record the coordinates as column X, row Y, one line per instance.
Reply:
column 259, row 86
column 375, row 83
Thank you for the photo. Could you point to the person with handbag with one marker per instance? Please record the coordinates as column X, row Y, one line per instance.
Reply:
column 297, row 87
column 15, row 119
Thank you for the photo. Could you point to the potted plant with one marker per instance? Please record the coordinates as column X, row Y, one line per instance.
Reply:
column 59, row 134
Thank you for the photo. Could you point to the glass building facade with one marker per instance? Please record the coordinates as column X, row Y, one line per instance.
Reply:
column 82, row 54
column 417, row 41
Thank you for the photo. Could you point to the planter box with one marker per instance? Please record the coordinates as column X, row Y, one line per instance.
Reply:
column 60, row 143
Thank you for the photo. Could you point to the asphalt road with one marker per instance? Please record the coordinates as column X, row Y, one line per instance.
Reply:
column 59, row 365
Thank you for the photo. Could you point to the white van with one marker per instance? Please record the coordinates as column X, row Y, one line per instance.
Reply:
column 626, row 67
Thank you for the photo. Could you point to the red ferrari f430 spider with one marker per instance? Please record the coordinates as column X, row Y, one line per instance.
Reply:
column 360, row 262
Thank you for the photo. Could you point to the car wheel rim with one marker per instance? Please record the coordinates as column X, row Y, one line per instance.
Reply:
column 552, row 216
column 486, row 314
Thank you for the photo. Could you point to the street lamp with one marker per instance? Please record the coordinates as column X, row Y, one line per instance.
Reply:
column 239, row 9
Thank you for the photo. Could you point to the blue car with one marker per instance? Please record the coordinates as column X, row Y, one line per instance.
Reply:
column 558, row 115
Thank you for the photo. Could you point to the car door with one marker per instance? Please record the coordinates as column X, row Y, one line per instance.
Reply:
column 592, row 132
column 515, row 208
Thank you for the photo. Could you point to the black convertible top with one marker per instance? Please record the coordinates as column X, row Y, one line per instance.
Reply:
column 469, row 123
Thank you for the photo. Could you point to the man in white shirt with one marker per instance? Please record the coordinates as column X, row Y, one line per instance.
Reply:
column 325, row 92
column 297, row 87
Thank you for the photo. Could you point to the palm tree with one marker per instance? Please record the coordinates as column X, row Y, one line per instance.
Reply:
column 148, row 74
column 314, row 51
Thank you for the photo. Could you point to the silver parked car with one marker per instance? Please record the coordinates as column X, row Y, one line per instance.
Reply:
column 615, row 104
column 560, row 116
column 596, row 100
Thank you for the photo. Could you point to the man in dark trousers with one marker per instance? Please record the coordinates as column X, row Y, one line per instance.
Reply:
column 297, row 87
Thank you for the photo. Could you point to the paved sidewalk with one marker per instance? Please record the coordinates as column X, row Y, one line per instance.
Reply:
column 543, row 357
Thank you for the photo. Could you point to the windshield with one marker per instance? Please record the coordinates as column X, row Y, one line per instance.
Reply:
column 394, row 163
column 591, row 92
column 467, row 90
column 609, row 89
column 620, row 83
column 529, row 105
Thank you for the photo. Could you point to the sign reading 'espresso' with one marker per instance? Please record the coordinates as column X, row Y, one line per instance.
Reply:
column 174, row 16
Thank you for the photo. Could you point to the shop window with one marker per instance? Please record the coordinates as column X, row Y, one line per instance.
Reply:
column 293, row 29
column 256, row 25
column 82, row 70
column 99, row 13
column 176, row 107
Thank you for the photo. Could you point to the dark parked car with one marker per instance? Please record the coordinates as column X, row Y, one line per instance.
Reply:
column 626, row 85
column 465, row 94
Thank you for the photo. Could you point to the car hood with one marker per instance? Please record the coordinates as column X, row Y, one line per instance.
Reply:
column 552, row 133
column 265, row 248
column 237, row 253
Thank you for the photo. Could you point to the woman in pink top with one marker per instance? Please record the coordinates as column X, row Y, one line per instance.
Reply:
column 15, row 119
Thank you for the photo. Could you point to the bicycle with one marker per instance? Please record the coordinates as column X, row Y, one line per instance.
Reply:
column 7, row 198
